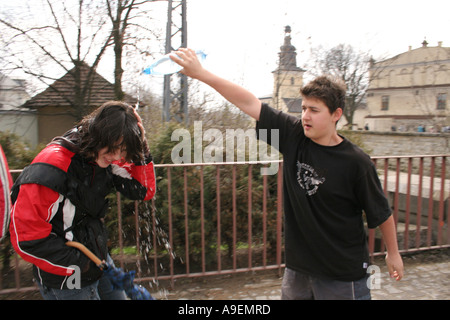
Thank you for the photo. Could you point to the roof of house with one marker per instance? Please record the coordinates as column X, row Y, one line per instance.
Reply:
column 62, row 94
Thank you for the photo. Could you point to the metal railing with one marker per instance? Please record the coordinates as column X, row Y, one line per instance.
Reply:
column 223, row 218
column 241, row 243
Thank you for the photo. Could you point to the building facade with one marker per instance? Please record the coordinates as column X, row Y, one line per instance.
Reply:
column 13, row 119
column 410, row 91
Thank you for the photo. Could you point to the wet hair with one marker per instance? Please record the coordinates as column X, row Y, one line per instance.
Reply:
column 330, row 90
column 113, row 125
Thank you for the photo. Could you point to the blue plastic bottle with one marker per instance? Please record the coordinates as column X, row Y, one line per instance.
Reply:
column 165, row 65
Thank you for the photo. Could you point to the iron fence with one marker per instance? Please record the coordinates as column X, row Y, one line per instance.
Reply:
column 223, row 218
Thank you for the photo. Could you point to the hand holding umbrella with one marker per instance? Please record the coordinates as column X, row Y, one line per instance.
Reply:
column 120, row 279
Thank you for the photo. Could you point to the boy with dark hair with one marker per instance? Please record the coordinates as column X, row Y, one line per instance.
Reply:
column 61, row 197
column 328, row 184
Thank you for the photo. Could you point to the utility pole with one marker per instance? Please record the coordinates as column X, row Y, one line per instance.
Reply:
column 176, row 32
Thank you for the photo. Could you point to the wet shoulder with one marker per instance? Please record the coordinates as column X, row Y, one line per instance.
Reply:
column 55, row 155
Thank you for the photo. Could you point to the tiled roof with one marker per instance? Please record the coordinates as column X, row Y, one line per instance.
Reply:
column 62, row 93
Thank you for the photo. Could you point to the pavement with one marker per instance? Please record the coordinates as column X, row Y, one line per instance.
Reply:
column 426, row 277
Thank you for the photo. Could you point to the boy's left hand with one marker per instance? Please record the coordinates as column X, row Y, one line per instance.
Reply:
column 395, row 266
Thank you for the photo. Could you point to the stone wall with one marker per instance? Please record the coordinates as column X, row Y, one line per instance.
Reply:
column 400, row 144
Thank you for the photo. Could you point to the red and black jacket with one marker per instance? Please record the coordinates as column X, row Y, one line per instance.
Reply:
column 62, row 197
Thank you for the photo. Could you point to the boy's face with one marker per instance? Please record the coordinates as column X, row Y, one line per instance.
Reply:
column 318, row 124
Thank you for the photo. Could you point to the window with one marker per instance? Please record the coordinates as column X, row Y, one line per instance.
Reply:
column 441, row 101
column 385, row 103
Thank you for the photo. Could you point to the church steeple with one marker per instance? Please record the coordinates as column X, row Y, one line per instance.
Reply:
column 288, row 78
column 288, row 54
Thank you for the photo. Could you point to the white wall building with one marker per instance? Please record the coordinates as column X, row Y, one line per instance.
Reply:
column 409, row 91
column 14, row 119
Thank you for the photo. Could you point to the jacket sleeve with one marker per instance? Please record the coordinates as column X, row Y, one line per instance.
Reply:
column 5, row 201
column 136, row 182
column 31, row 231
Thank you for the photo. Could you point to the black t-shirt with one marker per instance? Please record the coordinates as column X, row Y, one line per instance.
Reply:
column 326, row 190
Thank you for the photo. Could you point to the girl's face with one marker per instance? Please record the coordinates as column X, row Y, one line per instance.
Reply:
column 105, row 158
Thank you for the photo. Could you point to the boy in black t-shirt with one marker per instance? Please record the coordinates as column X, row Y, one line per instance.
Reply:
column 328, row 183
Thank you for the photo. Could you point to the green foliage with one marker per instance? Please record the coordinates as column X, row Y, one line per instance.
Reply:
column 18, row 153
column 355, row 137
column 200, row 205
column 194, row 211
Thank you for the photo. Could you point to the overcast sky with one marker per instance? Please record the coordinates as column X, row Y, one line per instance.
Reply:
column 243, row 37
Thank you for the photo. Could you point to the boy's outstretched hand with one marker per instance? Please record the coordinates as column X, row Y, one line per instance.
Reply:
column 235, row 94
column 187, row 58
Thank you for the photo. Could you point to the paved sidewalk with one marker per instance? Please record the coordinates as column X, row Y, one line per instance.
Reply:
column 423, row 280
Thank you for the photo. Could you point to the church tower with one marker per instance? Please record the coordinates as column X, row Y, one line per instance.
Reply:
column 288, row 78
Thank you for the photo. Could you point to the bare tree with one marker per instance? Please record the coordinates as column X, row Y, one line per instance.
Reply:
column 71, row 37
column 124, row 14
column 351, row 66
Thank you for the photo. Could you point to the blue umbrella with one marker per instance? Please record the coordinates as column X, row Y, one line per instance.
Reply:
column 124, row 281
column 120, row 279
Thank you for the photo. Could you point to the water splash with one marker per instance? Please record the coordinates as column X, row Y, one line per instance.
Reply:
column 154, row 240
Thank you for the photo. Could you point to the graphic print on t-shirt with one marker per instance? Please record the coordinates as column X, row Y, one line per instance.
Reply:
column 308, row 179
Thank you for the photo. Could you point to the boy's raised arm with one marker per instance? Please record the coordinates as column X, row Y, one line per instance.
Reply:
column 235, row 94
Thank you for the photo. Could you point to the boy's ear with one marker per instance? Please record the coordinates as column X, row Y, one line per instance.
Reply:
column 337, row 114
